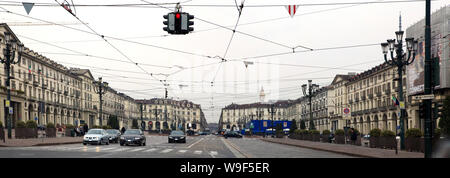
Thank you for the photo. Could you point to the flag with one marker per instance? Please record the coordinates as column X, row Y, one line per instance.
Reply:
column 396, row 103
column 28, row 6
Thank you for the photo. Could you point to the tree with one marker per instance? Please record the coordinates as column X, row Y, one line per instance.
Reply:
column 293, row 126
column 444, row 122
column 135, row 124
column 113, row 122
column 302, row 125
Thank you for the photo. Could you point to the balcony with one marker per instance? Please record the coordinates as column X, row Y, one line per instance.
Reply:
column 45, row 86
column 350, row 101
column 388, row 91
column 366, row 111
column 356, row 99
column 378, row 94
column 35, row 83
column 52, row 89
column 373, row 110
column 392, row 107
column 363, row 98
column 382, row 108
column 370, row 96
column 66, row 93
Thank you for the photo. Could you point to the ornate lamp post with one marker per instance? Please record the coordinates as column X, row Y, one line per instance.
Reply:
column 12, row 46
column 101, row 90
column 308, row 91
column 401, row 59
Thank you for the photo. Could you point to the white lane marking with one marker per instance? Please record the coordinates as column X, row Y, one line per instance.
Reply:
column 197, row 152
column 151, row 149
column 137, row 149
column 195, row 143
column 213, row 154
column 166, row 150
column 182, row 151
column 106, row 149
column 120, row 149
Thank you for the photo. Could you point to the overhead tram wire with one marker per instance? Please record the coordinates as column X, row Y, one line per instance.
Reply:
column 85, row 54
column 17, row 3
column 110, row 37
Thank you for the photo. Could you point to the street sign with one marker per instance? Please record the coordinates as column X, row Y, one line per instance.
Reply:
column 402, row 105
column 346, row 110
column 424, row 97
column 35, row 118
column 7, row 103
column 11, row 110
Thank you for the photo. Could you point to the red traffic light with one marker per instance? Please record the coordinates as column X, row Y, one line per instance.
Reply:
column 177, row 15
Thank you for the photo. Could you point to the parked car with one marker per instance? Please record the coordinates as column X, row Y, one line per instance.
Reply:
column 177, row 136
column 97, row 136
column 114, row 135
column 232, row 134
column 133, row 137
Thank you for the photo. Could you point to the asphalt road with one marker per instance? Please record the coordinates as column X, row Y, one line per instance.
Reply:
column 210, row 146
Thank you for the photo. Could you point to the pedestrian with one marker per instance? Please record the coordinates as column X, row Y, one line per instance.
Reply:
column 123, row 130
column 85, row 128
column 77, row 131
column 353, row 136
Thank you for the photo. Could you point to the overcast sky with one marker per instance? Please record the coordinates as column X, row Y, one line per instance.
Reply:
column 140, row 30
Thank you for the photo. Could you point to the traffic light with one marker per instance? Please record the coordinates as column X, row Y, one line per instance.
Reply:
column 178, row 23
column 421, row 111
column 438, row 110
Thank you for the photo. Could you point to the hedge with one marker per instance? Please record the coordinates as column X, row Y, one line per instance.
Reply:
column 31, row 124
column 326, row 132
column 387, row 133
column 413, row 132
column 69, row 126
column 375, row 133
column 339, row 132
column 50, row 125
column 20, row 124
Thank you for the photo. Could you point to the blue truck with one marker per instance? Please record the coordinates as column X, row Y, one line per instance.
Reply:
column 264, row 126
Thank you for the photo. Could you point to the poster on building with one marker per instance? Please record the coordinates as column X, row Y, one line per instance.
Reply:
column 265, row 124
column 440, row 45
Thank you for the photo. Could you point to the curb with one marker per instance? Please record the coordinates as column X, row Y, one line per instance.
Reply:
column 47, row 144
column 322, row 149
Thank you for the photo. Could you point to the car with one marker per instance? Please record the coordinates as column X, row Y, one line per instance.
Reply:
column 97, row 136
column 133, row 137
column 232, row 134
column 177, row 136
column 114, row 135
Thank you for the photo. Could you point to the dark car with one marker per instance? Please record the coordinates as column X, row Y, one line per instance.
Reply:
column 133, row 137
column 114, row 135
column 232, row 134
column 177, row 136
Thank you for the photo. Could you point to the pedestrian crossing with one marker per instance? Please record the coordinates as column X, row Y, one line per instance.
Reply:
column 116, row 149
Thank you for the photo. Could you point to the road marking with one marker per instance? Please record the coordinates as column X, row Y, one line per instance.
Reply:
column 237, row 153
column 197, row 152
column 195, row 143
column 182, row 151
column 166, row 150
column 105, row 149
column 213, row 154
column 137, row 149
column 151, row 149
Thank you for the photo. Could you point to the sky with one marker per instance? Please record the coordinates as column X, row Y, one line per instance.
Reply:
column 207, row 66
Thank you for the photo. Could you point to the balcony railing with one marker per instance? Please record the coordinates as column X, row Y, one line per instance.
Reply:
column 378, row 94
column 363, row 98
column 388, row 91
column 370, row 96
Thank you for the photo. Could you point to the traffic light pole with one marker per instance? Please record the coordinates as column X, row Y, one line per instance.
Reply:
column 428, row 87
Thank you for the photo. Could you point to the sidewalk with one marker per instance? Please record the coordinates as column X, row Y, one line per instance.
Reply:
column 40, row 141
column 352, row 150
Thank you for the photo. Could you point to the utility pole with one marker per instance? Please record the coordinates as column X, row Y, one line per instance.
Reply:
column 142, row 118
column 428, row 87
column 101, row 91
column 9, row 52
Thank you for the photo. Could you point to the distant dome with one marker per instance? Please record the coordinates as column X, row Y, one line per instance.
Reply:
column 262, row 95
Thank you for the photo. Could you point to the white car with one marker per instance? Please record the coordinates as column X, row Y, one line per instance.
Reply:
column 97, row 136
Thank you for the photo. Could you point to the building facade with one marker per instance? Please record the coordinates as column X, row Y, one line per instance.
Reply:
column 45, row 91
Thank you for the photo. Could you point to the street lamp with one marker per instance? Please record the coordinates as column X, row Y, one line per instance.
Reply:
column 400, row 60
column 12, row 46
column 308, row 91
column 100, row 88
